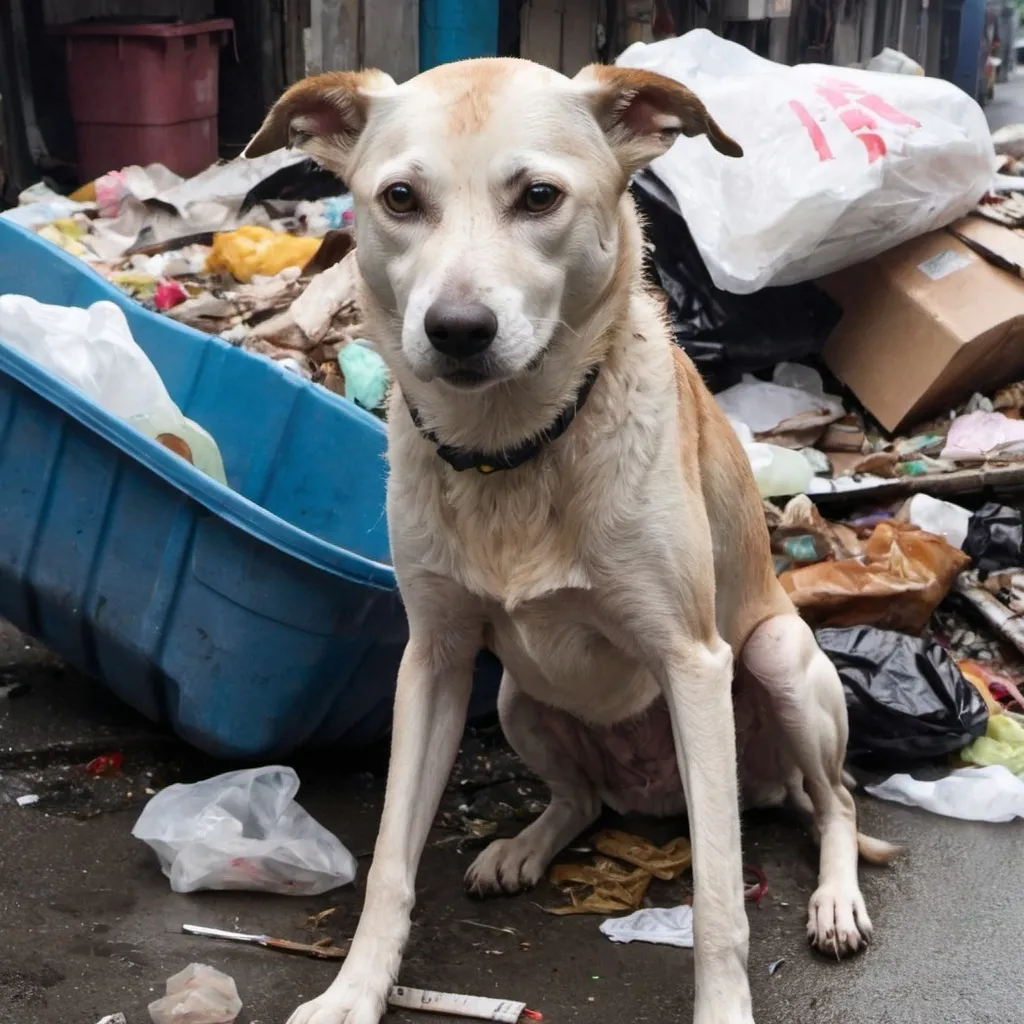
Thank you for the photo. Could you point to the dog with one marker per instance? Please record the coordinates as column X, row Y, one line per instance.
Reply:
column 564, row 491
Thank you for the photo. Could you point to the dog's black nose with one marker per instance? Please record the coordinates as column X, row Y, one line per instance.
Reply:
column 460, row 329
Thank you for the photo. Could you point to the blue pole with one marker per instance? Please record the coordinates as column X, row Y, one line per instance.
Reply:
column 457, row 29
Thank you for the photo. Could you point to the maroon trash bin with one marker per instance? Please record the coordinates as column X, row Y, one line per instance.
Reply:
column 143, row 94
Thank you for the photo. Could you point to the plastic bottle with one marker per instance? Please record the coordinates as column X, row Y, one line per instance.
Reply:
column 779, row 472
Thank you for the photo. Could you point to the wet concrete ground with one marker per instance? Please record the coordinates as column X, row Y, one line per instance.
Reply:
column 1007, row 106
column 90, row 927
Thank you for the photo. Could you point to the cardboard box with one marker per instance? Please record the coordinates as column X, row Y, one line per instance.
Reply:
column 930, row 322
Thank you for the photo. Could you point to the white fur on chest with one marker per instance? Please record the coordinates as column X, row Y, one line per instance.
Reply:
column 560, row 651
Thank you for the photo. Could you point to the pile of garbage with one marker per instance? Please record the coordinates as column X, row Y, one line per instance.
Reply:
column 859, row 315
column 257, row 252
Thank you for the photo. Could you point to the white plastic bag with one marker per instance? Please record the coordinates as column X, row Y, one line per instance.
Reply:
column 838, row 166
column 894, row 62
column 243, row 830
column 672, row 926
column 794, row 391
column 93, row 350
column 992, row 794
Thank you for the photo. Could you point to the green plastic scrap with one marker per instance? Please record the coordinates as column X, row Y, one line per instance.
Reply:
column 366, row 375
column 1003, row 743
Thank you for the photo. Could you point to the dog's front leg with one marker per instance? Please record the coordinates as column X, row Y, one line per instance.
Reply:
column 697, row 682
column 434, row 684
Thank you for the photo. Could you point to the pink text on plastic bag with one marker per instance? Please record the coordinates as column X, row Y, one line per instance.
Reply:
column 845, row 99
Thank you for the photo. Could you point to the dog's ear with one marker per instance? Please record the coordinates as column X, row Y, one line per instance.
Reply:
column 323, row 116
column 643, row 113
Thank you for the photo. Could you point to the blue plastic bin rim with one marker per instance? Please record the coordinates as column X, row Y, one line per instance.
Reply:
column 231, row 506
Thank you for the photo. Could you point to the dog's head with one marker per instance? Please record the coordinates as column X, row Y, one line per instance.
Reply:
column 487, row 197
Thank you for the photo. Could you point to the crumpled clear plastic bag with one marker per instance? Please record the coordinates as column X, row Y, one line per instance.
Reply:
column 243, row 830
column 839, row 164
column 197, row 995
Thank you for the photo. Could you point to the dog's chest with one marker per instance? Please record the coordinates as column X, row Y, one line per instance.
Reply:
column 505, row 544
column 560, row 652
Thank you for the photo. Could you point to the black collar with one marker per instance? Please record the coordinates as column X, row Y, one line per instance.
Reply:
column 491, row 462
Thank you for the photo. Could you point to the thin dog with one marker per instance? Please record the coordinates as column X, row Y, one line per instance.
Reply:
column 565, row 492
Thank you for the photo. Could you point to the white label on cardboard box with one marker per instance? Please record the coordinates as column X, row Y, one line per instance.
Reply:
column 944, row 263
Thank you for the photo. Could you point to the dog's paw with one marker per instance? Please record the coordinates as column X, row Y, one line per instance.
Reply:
column 720, row 1014
column 838, row 924
column 507, row 866
column 345, row 1005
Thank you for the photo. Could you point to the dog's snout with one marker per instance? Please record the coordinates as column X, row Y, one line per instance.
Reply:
column 460, row 329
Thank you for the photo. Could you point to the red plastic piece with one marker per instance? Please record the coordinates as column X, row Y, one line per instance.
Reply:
column 106, row 766
column 144, row 94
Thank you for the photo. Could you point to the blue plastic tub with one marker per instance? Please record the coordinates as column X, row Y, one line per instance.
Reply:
column 253, row 618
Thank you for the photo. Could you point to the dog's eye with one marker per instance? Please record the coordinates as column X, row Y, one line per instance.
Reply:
column 540, row 198
column 400, row 198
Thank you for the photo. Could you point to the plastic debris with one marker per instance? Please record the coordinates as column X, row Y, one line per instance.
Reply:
column 243, row 830
column 995, row 539
column 169, row 294
column 896, row 583
column 792, row 410
column 197, row 995
column 803, row 535
column 27, row 800
column 994, row 686
column 659, row 926
column 985, row 436
column 992, row 794
column 664, row 862
column 893, row 62
column 1003, row 743
column 453, row 1005
column 251, row 250
column 756, row 892
column 942, row 518
column 93, row 350
column 613, row 888
column 999, row 599
column 366, row 375
column 779, row 472
column 1009, row 140
column 776, row 965
column 106, row 766
column 905, row 696
column 973, row 672
column 322, row 950
column 113, row 1018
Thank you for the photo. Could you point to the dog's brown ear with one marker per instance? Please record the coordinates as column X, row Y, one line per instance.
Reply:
column 643, row 113
column 323, row 115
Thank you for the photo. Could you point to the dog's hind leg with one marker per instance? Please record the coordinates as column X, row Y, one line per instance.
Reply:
column 511, row 865
column 806, row 697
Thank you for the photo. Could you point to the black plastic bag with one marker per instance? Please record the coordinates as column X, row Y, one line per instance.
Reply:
column 303, row 180
column 726, row 335
column 906, row 698
column 995, row 538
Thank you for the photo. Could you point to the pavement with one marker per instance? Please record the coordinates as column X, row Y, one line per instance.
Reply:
column 90, row 926
column 1007, row 107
